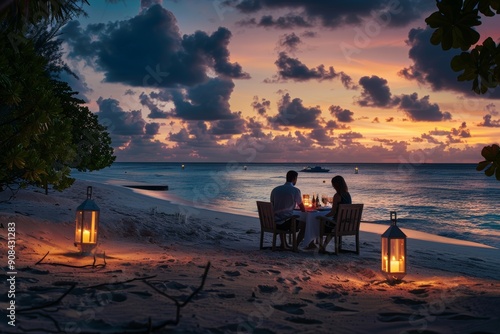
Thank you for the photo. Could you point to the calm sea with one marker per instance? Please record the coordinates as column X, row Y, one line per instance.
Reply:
column 452, row 200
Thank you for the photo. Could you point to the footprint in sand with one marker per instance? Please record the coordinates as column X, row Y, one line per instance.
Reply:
column 175, row 285
column 267, row 288
column 292, row 308
column 419, row 292
column 327, row 295
column 118, row 297
column 333, row 307
column 304, row 321
column 407, row 301
column 393, row 317
column 142, row 294
column 241, row 264
column 271, row 271
column 232, row 273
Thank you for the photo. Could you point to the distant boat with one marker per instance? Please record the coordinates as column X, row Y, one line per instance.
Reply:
column 315, row 169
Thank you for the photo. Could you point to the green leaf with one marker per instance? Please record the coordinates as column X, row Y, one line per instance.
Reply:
column 482, row 165
column 490, row 153
column 490, row 170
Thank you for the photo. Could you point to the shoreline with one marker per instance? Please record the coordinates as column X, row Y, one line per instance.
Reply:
column 246, row 288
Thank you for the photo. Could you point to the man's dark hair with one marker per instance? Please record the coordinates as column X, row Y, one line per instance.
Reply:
column 291, row 175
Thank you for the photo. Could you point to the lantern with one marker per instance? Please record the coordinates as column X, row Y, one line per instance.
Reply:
column 394, row 251
column 87, row 224
column 306, row 201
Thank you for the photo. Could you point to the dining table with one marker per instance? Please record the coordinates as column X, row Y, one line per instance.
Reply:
column 312, row 223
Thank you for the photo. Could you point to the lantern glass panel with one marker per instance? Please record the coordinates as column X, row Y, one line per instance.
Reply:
column 398, row 256
column 86, row 221
column 385, row 255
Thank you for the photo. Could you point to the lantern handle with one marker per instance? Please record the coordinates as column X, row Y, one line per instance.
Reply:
column 89, row 192
column 394, row 218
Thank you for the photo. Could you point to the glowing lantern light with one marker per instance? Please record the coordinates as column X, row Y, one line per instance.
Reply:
column 394, row 251
column 87, row 224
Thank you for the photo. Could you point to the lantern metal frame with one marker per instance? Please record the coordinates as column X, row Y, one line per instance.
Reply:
column 87, row 224
column 393, row 251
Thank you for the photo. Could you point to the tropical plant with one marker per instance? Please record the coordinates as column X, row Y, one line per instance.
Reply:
column 44, row 130
column 454, row 22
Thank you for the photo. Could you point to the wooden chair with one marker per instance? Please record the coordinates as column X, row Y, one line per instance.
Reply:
column 347, row 223
column 267, row 224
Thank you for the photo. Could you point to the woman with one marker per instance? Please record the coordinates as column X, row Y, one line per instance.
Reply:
column 341, row 196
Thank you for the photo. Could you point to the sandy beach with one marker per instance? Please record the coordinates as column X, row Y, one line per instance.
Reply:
column 167, row 268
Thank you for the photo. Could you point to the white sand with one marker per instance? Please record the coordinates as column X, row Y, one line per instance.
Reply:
column 451, row 286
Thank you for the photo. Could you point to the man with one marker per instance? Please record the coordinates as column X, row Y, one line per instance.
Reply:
column 284, row 198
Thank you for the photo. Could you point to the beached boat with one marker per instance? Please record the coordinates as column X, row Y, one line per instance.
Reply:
column 315, row 169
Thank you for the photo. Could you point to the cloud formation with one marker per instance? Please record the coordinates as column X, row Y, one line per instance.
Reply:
column 293, row 69
column 332, row 14
column 291, row 112
column 421, row 109
column 375, row 92
column 157, row 54
column 431, row 65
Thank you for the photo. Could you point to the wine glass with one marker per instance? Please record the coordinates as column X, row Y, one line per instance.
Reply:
column 324, row 199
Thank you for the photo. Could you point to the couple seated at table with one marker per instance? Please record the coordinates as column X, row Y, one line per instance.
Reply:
column 287, row 197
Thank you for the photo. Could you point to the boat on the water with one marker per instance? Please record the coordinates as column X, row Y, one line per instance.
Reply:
column 315, row 169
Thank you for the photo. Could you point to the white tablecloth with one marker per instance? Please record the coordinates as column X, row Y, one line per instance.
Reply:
column 312, row 224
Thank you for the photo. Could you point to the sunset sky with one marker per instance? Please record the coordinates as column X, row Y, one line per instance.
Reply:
column 277, row 81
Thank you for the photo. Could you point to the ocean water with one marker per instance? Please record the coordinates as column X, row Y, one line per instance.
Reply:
column 452, row 200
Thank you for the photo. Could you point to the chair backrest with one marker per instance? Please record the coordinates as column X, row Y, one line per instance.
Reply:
column 266, row 215
column 349, row 219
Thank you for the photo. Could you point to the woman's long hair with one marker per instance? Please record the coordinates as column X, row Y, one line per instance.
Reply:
column 339, row 184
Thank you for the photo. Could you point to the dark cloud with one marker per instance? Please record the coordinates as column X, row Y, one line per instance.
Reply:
column 375, row 93
column 349, row 137
column 228, row 127
column 431, row 65
column 309, row 34
column 152, row 129
column 148, row 50
column 321, row 137
column 284, row 22
column 421, row 109
column 261, row 106
column 330, row 125
column 126, row 123
column 293, row 69
column 491, row 109
column 206, row 101
column 337, row 13
column 390, row 119
column 437, row 132
column 290, row 42
column 145, row 4
column 293, row 113
column 155, row 111
column 255, row 128
column 200, row 134
column 77, row 84
column 121, row 125
column 488, row 122
column 430, row 139
column 461, row 131
column 342, row 115
column 394, row 144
